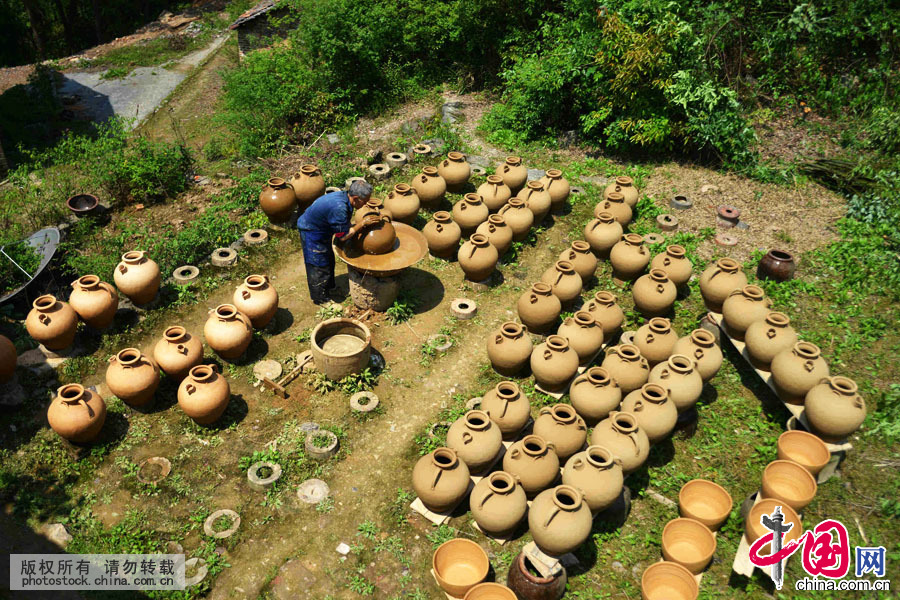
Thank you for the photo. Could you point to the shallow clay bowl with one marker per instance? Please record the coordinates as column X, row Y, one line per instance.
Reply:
column 803, row 448
column 490, row 591
column 789, row 482
column 705, row 501
column 754, row 529
column 458, row 565
column 689, row 543
column 668, row 581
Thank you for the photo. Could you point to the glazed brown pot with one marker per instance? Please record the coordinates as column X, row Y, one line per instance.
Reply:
column 655, row 339
column 558, row 187
column 508, row 407
column 372, row 205
column 403, row 203
column 743, row 307
column 308, row 185
column 754, row 529
column 536, row 199
column 539, row 308
column 565, row 283
column 257, row 299
column 719, row 280
column 655, row 412
column 513, row 173
column 563, row 427
column 605, row 310
column 277, row 200
column 804, row 449
column 204, row 394
column 629, row 257
column 706, row 502
column 378, row 238
column 776, row 264
column 533, row 462
column 498, row 503
column 559, row 520
column 497, row 232
column 440, row 479
column 615, row 205
column 797, row 370
column 478, row 258
column 509, row 348
column 620, row 434
column 94, row 301
column 8, row 358
column 668, row 581
column 790, row 482
column 584, row 334
column 442, row 235
column 554, row 363
column 476, row 440
column 459, row 564
column 490, row 591
column 626, row 366
column 602, row 233
column 469, row 213
column 494, row 192
column 675, row 263
column 701, row 346
column 430, row 187
column 766, row 338
column 689, row 543
column 77, row 414
column 228, row 331
column 623, row 185
column 177, row 352
column 455, row 170
column 132, row 377
column 681, row 379
column 528, row 584
column 598, row 474
column 137, row 276
column 51, row 323
column 519, row 218
column 594, row 394
column 834, row 408
column 654, row 294
column 583, row 260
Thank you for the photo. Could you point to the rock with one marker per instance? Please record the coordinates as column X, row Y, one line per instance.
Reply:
column 709, row 188
column 343, row 548
column 373, row 156
column 478, row 161
column 56, row 533
column 596, row 180
column 535, row 174
column 333, row 138
column 451, row 112
column 437, row 146
column 619, row 568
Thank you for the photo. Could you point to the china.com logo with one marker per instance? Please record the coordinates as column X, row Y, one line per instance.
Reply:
column 826, row 553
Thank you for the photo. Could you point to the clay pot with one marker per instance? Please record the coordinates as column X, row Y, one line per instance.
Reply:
column 766, row 338
column 626, row 366
column 490, row 591
column 790, row 482
column 689, row 543
column 701, row 346
column 137, row 276
column 494, row 192
column 706, row 502
column 455, row 170
column 778, row 265
column 584, row 334
column 429, row 186
column 536, row 199
column 743, row 307
column 308, row 185
column 469, row 213
column 754, row 529
column 509, row 348
column 606, row 311
column 476, row 440
column 77, row 414
column 654, row 293
column 597, row 474
column 602, row 233
column 527, row 584
column 668, row 581
column 557, row 186
column 564, row 281
column 497, row 232
column 629, row 257
column 459, row 564
column 8, row 358
column 675, row 263
column 478, row 258
column 498, row 503
column 583, row 260
column 594, row 394
column 519, row 218
column 538, row 308
column 804, row 449
column 204, row 394
column 177, row 352
column 834, row 409
column 257, row 299
column 655, row 339
column 655, row 412
column 513, row 173
column 440, row 479
column 561, row 426
column 623, row 185
column 797, row 370
column 132, row 377
column 620, row 434
column 559, row 520
column 277, row 200
column 719, row 280
column 228, row 331
column 508, row 407
column 403, row 203
column 378, row 238
column 51, row 323
column 94, row 301
column 681, row 379
column 554, row 363
column 442, row 235
column 533, row 462
column 372, row 205
column 615, row 205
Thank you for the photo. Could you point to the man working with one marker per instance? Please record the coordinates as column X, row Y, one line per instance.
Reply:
column 330, row 216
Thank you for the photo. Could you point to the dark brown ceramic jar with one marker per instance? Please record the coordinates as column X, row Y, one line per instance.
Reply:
column 776, row 264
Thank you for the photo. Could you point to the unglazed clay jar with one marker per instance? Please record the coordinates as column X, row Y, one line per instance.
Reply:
column 656, row 414
column 277, row 200
column 561, row 426
column 132, row 377
column 403, row 203
column 538, row 308
column 498, row 503
column 584, row 334
column 743, row 307
column 768, row 337
column 565, row 283
column 602, row 233
column 442, row 235
column 476, row 440
column 533, row 463
column 440, row 479
column 469, row 213
column 834, row 408
column 626, row 366
column 705, row 501
column 204, row 394
column 788, row 481
column 554, row 363
column 455, row 170
column 137, row 277
column 509, row 348
column 655, row 339
column 257, row 299
column 594, row 394
column 701, row 346
column 616, row 206
column 620, row 434
column 559, row 520
column 680, row 378
column 94, row 301
column 8, row 358
column 536, row 199
column 629, row 257
column 497, row 232
column 513, row 173
column 430, row 187
column 508, row 407
column 606, row 311
column 689, row 543
column 308, row 185
column 623, row 185
column 654, row 293
column 494, row 192
column 583, row 260
column 177, row 352
column 51, row 323
column 668, row 581
column 228, row 331
column 597, row 474
column 675, row 263
column 478, row 258
column 77, row 414
column 805, row 449
column 753, row 527
column 519, row 218
column 558, row 187
column 797, row 370
column 527, row 583
column 719, row 280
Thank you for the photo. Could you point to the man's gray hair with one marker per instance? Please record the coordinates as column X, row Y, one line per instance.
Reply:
column 362, row 189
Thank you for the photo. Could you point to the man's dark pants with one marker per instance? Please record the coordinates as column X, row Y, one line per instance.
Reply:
column 319, row 258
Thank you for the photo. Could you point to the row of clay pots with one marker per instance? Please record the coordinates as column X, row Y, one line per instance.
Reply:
column 460, row 567
column 611, row 215
column 279, row 198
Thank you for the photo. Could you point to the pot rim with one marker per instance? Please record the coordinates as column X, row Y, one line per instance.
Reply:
column 633, row 239
column 660, row 325
column 565, row 266
column 309, row 169
column 276, row 182
column 88, row 281
column 568, row 413
column 843, row 385
column 516, row 202
column 581, row 246
column 44, row 303
column 598, row 376
column 615, row 196
column 442, row 216
column 653, row 392
column 604, row 297
column 479, row 239
column 480, row 415
column 659, row 275
column 226, row 311
column 456, row 155
column 495, row 180
column 510, row 329
column 444, row 458
column 430, row 171
column 402, row 188
column 584, row 318
column 630, row 351
column 604, row 216
column 606, row 459
column 562, row 492
column 807, row 350
column 624, row 422
column 778, row 319
column 202, row 373
column 473, row 198
column 676, row 250
column 513, row 161
column 497, row 220
column 729, row 265
column 553, row 173
column 505, row 477
column 753, row 292
column 129, row 356
column 174, row 333
column 780, row 255
column 624, row 180
column 558, row 343
column 535, row 440
column 255, row 282
column 702, row 337
column 71, row 393
column 508, row 390
column 537, row 186
column 680, row 363
column 541, row 288
column 133, row 257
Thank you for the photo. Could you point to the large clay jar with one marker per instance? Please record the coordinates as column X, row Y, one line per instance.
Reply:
column 719, row 280
column 429, row 186
column 797, row 370
column 52, row 323
column 675, row 263
column 583, row 260
column 308, row 185
column 277, row 200
column 536, row 199
column 137, row 276
column 469, row 213
column 94, row 301
column 654, row 293
column 701, row 346
column 372, row 205
column 788, row 481
column 754, row 529
column 508, row 407
column 442, row 235
column 498, row 503
column 440, row 479
column 494, row 192
column 558, row 187
column 834, row 408
column 602, row 233
column 228, row 331
column 513, row 173
column 629, row 257
column 257, row 299
column 584, row 334
column 554, row 363
column 204, row 394
column 620, row 434
column 519, row 218
column 626, row 366
column 681, row 379
column 77, row 414
column 478, row 258
column 616, row 206
column 564, row 281
column 655, row 339
column 668, row 581
column 597, row 474
column 476, row 440
column 378, row 238
column 623, row 185
column 178, row 352
column 528, row 584
column 497, row 232
column 8, row 357
column 656, row 414
column 594, row 394
column 561, row 426
column 403, row 203
column 455, row 170
column 533, row 463
column 606, row 311
column 744, row 307
column 538, row 308
column 509, row 348
column 766, row 338
column 777, row 265
column 132, row 377
column 559, row 520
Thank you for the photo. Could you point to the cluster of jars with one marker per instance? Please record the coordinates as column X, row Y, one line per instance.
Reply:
column 280, row 198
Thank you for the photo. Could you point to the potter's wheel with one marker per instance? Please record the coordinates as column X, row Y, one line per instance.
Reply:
column 409, row 248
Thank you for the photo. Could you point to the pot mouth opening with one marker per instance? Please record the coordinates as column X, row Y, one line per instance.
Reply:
column 605, row 298
column 680, row 363
column 497, row 220
column 402, row 188
column 599, row 456
column 541, row 288
column 226, row 311
column 202, row 373
column 507, row 390
column 676, row 251
column 255, row 281
column 781, row 255
column 624, row 180
column 728, row 264
column 564, row 266
column 581, row 246
column 535, row 185
column 584, row 318
column 567, row 497
column 129, row 356
column 309, row 169
column 633, row 238
column 442, row 216
column 629, row 351
column 598, row 375
column 778, row 319
column 477, row 419
column 658, row 275
column 513, row 161
column 702, row 337
column 454, row 155
column 473, row 198
column 615, row 197
column 625, row 423
column 276, row 182
column 71, row 392
column 516, row 202
column 444, row 457
column 660, row 325
column 430, row 171
column 844, row 384
column 533, row 445
column 808, row 350
column 654, row 392
column 511, row 329
column 563, row 413
column 605, row 216
column 494, row 179
column 557, row 342
column 44, row 302
column 255, row 233
column 754, row 292
column 501, row 482
column 88, row 281
column 479, row 239
column 174, row 333
column 134, row 256
column 422, row 147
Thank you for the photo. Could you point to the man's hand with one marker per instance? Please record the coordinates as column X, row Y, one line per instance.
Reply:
column 371, row 219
